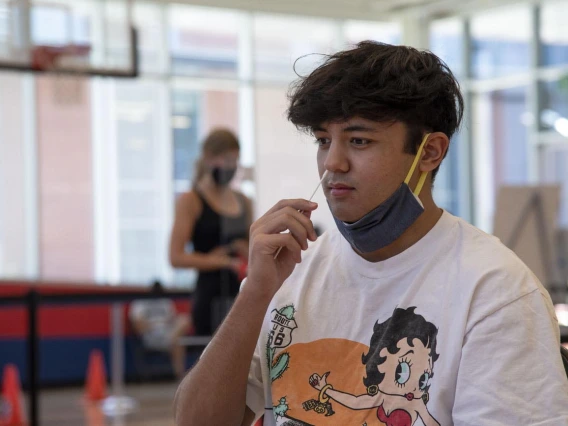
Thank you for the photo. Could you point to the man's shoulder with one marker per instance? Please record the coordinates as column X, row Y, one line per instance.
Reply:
column 498, row 275
column 484, row 252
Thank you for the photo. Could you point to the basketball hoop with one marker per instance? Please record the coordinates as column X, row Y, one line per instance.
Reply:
column 67, row 87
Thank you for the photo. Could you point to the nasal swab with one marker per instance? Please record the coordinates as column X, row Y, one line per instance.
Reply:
column 301, row 211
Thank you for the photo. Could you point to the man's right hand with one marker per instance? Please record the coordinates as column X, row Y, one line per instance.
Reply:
column 266, row 274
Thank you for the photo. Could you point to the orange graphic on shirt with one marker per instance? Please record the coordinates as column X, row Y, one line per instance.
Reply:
column 385, row 383
column 343, row 358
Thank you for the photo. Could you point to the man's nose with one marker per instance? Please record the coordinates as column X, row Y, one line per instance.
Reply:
column 336, row 160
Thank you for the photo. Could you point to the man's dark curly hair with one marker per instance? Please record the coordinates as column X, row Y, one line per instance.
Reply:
column 380, row 82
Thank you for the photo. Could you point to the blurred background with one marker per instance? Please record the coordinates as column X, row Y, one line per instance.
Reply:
column 90, row 167
column 96, row 146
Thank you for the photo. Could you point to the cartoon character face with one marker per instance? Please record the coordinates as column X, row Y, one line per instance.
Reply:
column 407, row 372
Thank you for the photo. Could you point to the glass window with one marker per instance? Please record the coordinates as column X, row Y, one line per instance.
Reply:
column 12, row 178
column 203, row 41
column 554, row 132
column 65, row 178
column 5, row 23
column 446, row 185
column 501, row 42
column 195, row 112
column 151, row 37
column 141, row 231
column 116, row 39
column 386, row 32
column 553, row 170
column 53, row 24
column 510, row 135
column 554, row 114
column 447, row 41
column 554, row 33
column 102, row 27
column 280, row 40
column 286, row 164
column 500, row 146
column 13, row 42
column 185, row 128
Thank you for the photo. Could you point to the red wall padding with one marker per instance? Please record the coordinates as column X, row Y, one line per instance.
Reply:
column 66, row 320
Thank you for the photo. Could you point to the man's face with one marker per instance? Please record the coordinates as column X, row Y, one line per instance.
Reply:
column 365, row 161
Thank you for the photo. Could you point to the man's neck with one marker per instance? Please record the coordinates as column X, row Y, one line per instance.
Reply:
column 425, row 222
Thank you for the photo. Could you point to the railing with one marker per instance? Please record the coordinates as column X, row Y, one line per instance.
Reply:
column 33, row 299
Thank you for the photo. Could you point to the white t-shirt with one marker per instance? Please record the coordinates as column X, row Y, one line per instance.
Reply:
column 461, row 333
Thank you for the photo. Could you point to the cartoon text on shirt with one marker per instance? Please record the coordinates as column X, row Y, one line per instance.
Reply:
column 399, row 366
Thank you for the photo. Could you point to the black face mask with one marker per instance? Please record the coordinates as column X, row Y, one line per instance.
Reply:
column 222, row 176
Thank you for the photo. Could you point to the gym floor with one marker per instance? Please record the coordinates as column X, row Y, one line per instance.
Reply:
column 67, row 407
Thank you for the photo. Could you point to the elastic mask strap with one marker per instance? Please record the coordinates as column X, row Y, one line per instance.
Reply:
column 423, row 175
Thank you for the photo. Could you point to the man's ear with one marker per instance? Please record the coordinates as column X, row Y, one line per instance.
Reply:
column 434, row 151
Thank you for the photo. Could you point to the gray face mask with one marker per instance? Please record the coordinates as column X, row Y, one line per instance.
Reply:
column 387, row 222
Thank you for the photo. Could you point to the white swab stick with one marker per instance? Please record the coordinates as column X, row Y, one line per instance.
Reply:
column 314, row 193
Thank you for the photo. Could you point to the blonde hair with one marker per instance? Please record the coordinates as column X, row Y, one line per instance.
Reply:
column 217, row 142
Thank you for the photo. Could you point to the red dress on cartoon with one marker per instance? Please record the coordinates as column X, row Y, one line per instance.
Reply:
column 396, row 417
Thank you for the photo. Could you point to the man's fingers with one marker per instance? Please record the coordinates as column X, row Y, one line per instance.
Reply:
column 300, row 209
column 268, row 244
column 303, row 218
column 298, row 204
column 291, row 223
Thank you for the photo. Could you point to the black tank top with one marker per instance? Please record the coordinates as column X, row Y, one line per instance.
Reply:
column 212, row 229
column 214, row 289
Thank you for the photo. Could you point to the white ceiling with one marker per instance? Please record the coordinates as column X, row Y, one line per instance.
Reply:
column 381, row 10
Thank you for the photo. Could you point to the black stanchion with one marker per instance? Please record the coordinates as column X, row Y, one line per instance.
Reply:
column 33, row 356
column 33, row 299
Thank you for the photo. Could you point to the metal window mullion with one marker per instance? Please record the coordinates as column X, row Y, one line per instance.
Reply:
column 164, row 133
column 99, row 130
column 114, row 252
column 466, row 190
column 164, row 23
column 534, row 99
column 246, row 74
column 31, row 179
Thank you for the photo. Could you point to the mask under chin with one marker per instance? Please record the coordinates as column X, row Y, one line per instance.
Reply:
column 384, row 224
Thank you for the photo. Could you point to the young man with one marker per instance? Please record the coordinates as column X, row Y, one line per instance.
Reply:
column 404, row 314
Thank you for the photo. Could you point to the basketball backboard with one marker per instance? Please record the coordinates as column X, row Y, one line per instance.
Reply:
column 82, row 37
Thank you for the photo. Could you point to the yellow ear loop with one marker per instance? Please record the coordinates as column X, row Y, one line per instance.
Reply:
column 422, row 178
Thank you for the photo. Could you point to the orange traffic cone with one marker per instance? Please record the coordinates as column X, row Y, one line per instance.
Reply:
column 12, row 393
column 95, row 385
column 94, row 415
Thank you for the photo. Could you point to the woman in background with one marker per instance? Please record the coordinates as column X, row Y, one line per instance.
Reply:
column 216, row 219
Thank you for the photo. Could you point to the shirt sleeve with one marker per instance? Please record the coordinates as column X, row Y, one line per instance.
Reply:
column 511, row 372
